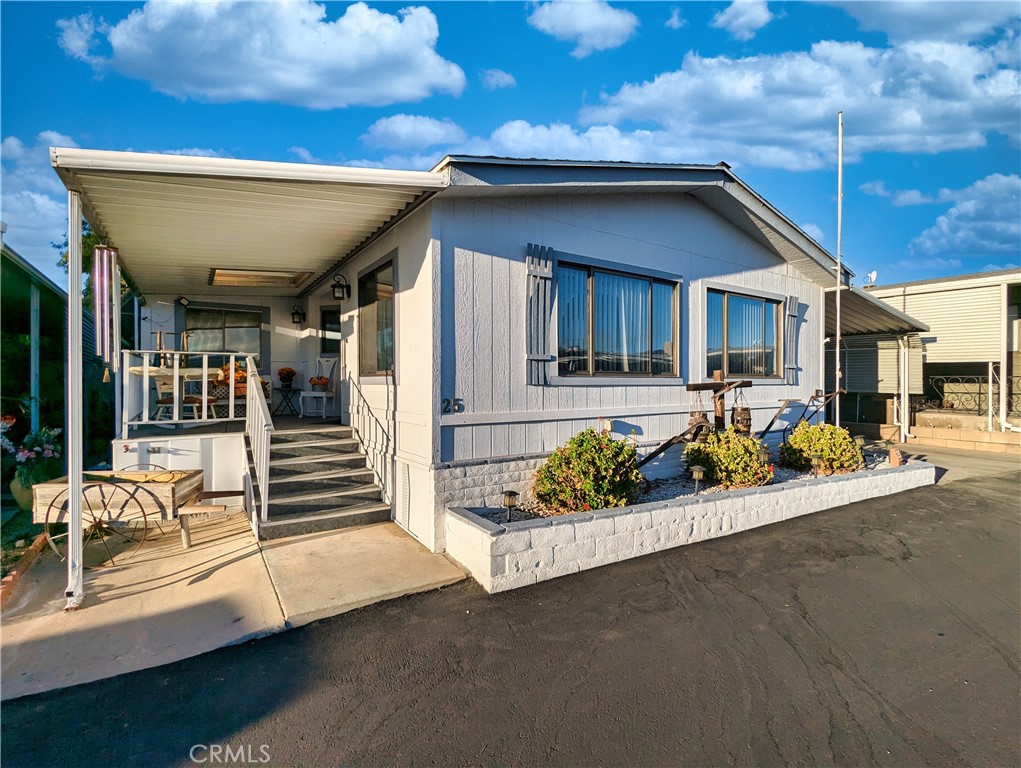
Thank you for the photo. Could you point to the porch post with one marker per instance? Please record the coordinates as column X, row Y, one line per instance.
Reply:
column 75, row 592
column 33, row 355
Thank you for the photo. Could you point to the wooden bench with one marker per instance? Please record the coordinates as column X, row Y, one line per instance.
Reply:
column 194, row 509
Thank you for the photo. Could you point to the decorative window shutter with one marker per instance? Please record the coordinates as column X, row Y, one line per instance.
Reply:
column 790, row 340
column 539, row 286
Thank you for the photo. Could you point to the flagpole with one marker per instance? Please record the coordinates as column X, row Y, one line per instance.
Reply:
column 839, row 374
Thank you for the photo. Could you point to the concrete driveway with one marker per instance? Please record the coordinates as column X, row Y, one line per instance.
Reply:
column 881, row 633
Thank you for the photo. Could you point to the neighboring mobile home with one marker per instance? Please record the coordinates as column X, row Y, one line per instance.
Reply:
column 472, row 318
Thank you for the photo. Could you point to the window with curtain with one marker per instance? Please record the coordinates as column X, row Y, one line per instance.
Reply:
column 224, row 330
column 329, row 326
column 611, row 323
column 376, row 321
column 741, row 335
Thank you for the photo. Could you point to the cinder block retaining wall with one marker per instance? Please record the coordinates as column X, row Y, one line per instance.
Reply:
column 503, row 557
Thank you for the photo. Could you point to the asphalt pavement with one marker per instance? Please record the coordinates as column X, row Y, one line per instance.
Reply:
column 881, row 633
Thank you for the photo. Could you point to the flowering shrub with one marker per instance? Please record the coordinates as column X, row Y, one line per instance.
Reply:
column 731, row 459
column 590, row 471
column 38, row 456
column 239, row 374
column 286, row 374
column 5, row 442
column 834, row 445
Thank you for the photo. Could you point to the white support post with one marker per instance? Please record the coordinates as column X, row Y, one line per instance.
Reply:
column 75, row 591
column 837, row 368
column 1004, row 355
column 33, row 355
column 905, row 397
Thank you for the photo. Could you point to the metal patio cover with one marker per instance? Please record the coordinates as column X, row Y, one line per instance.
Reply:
column 174, row 218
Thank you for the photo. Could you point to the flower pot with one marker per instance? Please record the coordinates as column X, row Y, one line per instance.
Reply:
column 22, row 494
column 286, row 384
column 318, row 387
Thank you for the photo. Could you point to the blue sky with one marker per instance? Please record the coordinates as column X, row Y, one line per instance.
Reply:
column 929, row 90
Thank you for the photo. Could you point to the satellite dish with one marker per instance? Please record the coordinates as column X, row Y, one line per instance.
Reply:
column 870, row 278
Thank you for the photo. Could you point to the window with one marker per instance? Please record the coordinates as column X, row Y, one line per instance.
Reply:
column 741, row 335
column 224, row 330
column 329, row 326
column 376, row 321
column 613, row 323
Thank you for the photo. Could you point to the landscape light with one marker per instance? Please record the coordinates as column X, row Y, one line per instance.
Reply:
column 697, row 473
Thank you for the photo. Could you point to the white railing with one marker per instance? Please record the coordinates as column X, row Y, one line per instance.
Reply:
column 376, row 433
column 170, row 388
column 258, row 432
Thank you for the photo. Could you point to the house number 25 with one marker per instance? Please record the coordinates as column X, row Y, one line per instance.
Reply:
column 452, row 406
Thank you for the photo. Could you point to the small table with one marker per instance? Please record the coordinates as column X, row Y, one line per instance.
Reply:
column 287, row 406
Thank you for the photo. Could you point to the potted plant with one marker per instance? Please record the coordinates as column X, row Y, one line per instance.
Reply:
column 286, row 376
column 319, row 383
column 38, row 459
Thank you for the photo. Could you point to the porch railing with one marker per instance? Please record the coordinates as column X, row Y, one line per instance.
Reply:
column 375, row 434
column 168, row 388
column 258, row 433
column 971, row 394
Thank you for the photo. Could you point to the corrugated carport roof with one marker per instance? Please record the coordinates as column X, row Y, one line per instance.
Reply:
column 173, row 217
column 861, row 313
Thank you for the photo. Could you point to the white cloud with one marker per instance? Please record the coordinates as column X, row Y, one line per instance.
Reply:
column 985, row 218
column 304, row 155
column 743, row 18
column 875, row 188
column 999, row 267
column 593, row 25
column 928, row 20
column 779, row 110
column 813, row 231
column 676, row 21
column 944, row 265
column 412, row 132
column 193, row 152
column 497, row 78
column 912, row 197
column 283, row 52
column 33, row 202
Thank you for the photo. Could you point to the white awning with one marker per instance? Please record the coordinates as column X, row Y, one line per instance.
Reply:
column 861, row 313
column 176, row 218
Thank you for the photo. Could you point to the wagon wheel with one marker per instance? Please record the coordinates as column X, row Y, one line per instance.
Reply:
column 115, row 524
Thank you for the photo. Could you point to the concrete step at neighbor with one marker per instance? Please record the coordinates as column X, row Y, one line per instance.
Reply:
column 292, row 466
column 325, row 519
column 310, row 434
column 332, row 478
column 313, row 447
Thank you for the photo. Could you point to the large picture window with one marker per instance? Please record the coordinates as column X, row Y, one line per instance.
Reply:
column 376, row 321
column 329, row 324
column 613, row 323
column 223, row 330
column 741, row 335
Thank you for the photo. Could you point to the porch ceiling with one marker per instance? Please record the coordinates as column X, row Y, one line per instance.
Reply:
column 174, row 218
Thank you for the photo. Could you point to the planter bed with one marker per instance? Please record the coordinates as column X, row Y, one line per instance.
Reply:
column 502, row 556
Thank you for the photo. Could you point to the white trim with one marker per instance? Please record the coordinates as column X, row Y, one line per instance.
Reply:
column 70, row 160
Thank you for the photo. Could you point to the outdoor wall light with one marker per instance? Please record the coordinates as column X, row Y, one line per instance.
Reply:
column 697, row 473
column 341, row 288
column 297, row 315
column 859, row 440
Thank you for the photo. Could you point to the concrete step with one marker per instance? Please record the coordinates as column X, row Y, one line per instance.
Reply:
column 314, row 500
column 313, row 447
column 292, row 466
column 322, row 480
column 326, row 519
column 311, row 433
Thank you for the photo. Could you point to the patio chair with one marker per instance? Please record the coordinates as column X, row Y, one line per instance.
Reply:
column 317, row 400
column 165, row 402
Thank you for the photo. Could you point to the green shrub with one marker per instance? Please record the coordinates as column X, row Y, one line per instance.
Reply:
column 589, row 471
column 731, row 459
column 833, row 444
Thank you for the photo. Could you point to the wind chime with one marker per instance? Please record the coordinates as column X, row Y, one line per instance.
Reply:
column 106, row 307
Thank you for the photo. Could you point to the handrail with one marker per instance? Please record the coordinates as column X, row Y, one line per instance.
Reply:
column 259, row 431
column 375, row 436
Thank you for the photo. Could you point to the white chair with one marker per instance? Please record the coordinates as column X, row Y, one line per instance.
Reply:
column 317, row 400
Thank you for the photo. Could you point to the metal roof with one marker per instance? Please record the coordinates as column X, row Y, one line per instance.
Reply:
column 993, row 276
column 861, row 313
column 174, row 218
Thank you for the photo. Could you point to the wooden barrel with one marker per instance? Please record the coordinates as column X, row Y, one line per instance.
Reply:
column 741, row 418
